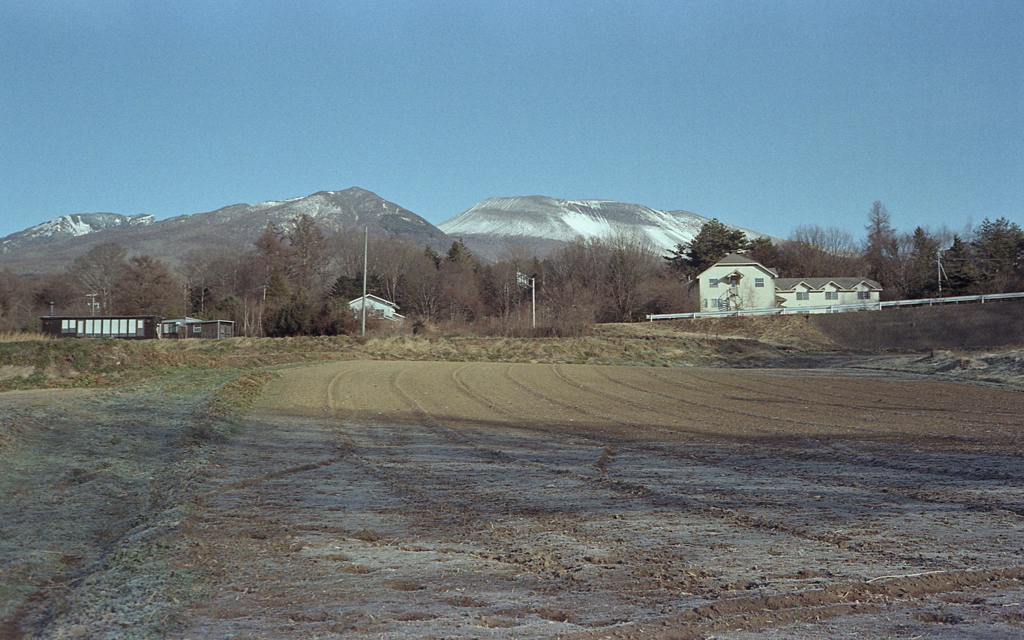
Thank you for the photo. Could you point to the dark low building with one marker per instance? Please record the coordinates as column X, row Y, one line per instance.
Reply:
column 178, row 328
column 126, row 327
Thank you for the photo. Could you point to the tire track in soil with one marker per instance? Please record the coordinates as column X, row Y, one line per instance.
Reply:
column 911, row 495
column 524, row 497
column 716, row 509
column 891, row 455
column 942, row 415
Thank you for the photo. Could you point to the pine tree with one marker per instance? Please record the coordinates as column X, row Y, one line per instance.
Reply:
column 711, row 244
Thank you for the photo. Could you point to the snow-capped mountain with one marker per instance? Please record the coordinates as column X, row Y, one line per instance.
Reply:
column 241, row 224
column 71, row 226
column 544, row 223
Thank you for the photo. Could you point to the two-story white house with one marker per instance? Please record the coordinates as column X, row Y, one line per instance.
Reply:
column 738, row 282
column 734, row 282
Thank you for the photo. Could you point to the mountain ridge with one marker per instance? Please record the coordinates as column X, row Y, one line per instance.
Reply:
column 540, row 224
column 545, row 223
column 171, row 238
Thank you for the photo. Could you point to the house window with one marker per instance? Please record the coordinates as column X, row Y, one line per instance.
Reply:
column 723, row 304
column 831, row 295
column 803, row 295
column 863, row 295
column 713, row 283
column 759, row 282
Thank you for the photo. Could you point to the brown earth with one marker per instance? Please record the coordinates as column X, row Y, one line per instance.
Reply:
column 486, row 500
column 386, row 499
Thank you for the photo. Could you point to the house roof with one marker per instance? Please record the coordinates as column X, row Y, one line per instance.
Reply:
column 736, row 259
column 846, row 284
column 373, row 298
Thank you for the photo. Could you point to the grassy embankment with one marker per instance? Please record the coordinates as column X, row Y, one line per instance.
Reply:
column 40, row 363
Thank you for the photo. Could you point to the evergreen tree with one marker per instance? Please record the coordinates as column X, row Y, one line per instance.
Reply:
column 998, row 249
column 458, row 253
column 962, row 277
column 711, row 244
column 923, row 276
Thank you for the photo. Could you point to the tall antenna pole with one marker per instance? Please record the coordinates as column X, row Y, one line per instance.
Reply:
column 366, row 245
column 533, row 287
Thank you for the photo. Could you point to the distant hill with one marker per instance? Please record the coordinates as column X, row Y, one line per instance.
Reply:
column 52, row 246
column 71, row 226
column 543, row 224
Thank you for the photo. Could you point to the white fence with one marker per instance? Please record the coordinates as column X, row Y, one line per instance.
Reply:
column 836, row 308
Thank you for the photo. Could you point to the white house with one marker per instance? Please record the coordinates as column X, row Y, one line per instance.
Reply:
column 378, row 307
column 737, row 282
column 734, row 282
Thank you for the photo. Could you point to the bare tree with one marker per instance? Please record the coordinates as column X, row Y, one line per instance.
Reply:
column 632, row 264
column 390, row 259
column 308, row 255
column 147, row 286
column 98, row 271
column 815, row 251
column 14, row 301
column 420, row 291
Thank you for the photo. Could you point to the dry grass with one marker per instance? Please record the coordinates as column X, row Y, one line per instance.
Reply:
column 41, row 362
column 22, row 336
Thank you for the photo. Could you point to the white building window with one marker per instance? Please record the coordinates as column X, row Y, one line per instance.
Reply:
column 831, row 295
column 803, row 295
column 759, row 282
column 713, row 283
column 863, row 295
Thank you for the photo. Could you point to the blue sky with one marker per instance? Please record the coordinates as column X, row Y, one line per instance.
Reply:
column 765, row 114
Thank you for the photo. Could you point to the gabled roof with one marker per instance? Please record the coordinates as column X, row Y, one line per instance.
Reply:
column 373, row 298
column 817, row 284
column 737, row 259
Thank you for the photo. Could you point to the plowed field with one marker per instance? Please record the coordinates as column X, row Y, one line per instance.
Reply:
column 455, row 500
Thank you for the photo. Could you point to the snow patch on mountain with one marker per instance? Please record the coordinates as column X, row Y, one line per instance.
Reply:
column 71, row 226
column 547, row 218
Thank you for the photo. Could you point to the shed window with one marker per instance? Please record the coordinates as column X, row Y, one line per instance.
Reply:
column 197, row 328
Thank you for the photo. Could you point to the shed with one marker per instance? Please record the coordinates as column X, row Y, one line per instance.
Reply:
column 180, row 328
column 126, row 327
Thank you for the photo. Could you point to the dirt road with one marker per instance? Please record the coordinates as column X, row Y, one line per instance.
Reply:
column 455, row 500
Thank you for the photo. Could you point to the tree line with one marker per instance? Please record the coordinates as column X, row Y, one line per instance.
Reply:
column 922, row 263
column 297, row 279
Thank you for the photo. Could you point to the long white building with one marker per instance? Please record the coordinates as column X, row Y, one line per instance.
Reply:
column 738, row 282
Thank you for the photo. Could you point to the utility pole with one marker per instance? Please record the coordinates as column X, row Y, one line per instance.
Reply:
column 525, row 281
column 92, row 303
column 366, row 245
column 263, row 308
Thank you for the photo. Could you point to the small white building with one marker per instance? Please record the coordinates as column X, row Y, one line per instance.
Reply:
column 737, row 282
column 378, row 307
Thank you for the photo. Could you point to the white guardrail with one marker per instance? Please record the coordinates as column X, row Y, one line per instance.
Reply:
column 835, row 308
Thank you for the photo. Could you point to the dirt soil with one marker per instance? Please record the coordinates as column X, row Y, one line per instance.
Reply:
column 483, row 500
column 402, row 500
